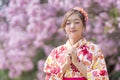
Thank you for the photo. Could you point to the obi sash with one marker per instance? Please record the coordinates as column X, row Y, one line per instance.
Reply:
column 81, row 78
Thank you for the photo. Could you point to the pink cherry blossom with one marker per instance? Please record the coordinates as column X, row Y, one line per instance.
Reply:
column 31, row 26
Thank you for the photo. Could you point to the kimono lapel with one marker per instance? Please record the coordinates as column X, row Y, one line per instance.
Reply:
column 78, row 44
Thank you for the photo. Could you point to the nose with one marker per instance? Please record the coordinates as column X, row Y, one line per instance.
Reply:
column 72, row 25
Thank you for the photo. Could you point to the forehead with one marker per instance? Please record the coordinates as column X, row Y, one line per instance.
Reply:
column 73, row 17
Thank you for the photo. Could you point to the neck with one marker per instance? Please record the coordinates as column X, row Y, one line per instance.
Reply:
column 74, row 40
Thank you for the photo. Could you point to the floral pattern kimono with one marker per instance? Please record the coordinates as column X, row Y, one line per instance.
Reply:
column 88, row 53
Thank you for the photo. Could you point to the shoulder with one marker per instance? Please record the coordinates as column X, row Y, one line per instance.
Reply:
column 93, row 48
column 91, row 44
column 58, row 49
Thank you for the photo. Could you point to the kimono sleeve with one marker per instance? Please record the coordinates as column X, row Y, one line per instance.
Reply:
column 97, row 70
column 51, row 67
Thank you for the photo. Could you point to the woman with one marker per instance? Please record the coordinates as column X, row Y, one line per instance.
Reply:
column 77, row 59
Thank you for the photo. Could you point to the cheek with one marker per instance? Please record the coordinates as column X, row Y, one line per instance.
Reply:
column 66, row 30
column 80, row 27
column 80, row 30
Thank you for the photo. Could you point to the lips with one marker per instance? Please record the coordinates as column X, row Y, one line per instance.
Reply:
column 73, row 30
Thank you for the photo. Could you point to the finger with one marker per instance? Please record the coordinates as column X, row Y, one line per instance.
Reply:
column 73, row 50
column 69, row 53
column 69, row 56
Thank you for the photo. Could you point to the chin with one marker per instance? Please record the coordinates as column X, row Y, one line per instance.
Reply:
column 73, row 36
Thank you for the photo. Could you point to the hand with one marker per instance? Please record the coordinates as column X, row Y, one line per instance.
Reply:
column 79, row 65
column 68, row 60
column 73, row 54
column 66, row 64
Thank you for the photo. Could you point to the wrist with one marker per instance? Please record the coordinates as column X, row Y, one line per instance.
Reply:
column 75, row 62
column 81, row 67
column 63, row 68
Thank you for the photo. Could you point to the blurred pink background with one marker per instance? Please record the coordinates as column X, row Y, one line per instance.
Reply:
column 29, row 31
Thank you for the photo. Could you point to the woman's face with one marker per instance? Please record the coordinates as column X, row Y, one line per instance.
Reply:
column 74, row 26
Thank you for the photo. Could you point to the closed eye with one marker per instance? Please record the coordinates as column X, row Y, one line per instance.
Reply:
column 77, row 22
column 67, row 23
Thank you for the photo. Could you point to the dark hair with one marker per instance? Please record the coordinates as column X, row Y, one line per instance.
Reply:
column 69, row 13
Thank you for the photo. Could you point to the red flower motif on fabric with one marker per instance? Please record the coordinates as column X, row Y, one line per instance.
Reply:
column 61, row 59
column 48, row 67
column 55, row 70
column 89, row 56
column 62, row 48
column 59, row 51
column 56, row 53
column 84, row 49
column 103, row 72
column 95, row 73
column 74, row 68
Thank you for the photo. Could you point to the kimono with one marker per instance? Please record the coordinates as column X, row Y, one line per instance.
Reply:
column 88, row 53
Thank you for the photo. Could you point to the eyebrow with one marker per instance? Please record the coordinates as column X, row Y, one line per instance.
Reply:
column 74, row 19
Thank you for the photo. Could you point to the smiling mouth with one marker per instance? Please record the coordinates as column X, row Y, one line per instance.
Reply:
column 73, row 31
